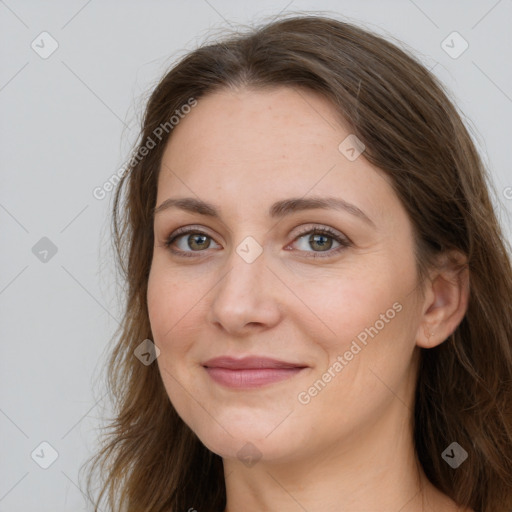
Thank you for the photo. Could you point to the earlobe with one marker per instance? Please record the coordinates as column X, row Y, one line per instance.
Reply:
column 428, row 339
column 446, row 301
column 428, row 334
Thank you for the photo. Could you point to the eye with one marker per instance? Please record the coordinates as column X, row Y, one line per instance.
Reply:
column 322, row 239
column 188, row 238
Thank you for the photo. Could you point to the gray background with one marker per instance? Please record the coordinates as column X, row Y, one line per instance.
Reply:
column 66, row 124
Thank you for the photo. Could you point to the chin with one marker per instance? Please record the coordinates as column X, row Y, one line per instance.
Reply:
column 250, row 441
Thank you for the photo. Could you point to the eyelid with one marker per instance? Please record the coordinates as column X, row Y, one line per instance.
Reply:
column 308, row 228
column 189, row 228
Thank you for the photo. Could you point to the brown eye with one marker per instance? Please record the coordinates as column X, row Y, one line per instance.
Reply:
column 197, row 241
column 321, row 240
column 188, row 241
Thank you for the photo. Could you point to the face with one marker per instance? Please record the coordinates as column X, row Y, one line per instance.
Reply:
column 330, row 290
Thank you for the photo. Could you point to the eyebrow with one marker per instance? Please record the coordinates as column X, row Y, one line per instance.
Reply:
column 278, row 210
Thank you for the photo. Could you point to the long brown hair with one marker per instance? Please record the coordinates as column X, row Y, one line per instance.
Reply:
column 151, row 460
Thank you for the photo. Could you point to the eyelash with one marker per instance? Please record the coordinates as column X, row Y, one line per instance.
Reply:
column 343, row 241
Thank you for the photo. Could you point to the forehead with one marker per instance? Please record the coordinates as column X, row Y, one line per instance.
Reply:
column 256, row 126
column 249, row 146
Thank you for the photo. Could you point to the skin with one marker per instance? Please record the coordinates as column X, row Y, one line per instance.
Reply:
column 350, row 448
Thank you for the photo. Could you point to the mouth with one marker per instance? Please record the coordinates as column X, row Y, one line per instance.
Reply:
column 250, row 372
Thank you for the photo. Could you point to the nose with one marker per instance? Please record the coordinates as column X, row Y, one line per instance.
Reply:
column 246, row 297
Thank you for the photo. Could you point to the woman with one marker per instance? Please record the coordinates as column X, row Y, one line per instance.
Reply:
column 318, row 313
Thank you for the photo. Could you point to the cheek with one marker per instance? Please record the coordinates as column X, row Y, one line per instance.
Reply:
column 374, row 345
column 341, row 308
column 169, row 301
column 177, row 307
column 162, row 313
column 366, row 318
column 172, row 306
column 161, row 308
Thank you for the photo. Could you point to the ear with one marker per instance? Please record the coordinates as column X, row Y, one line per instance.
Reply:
column 446, row 300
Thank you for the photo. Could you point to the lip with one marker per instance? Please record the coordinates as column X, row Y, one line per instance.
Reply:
column 249, row 362
column 250, row 372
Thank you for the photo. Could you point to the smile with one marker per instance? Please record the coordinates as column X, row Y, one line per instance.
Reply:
column 250, row 371
column 250, row 377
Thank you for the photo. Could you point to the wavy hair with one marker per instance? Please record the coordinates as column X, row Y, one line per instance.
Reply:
column 150, row 460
